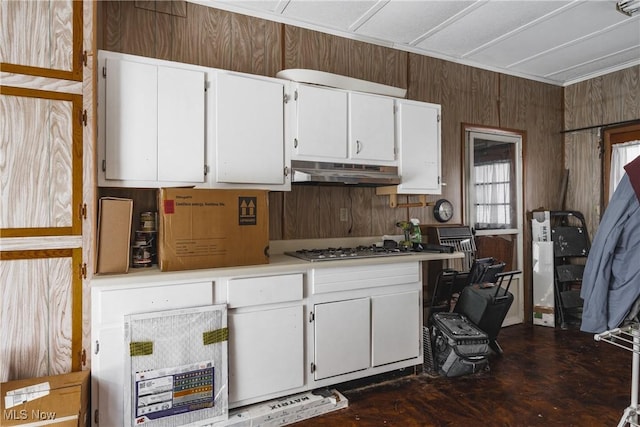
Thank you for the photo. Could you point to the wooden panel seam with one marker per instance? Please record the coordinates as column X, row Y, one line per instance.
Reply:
column 76, row 310
column 36, row 254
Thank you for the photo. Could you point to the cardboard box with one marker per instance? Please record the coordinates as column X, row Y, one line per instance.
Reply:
column 201, row 228
column 114, row 235
column 542, row 260
column 286, row 410
column 58, row 400
column 541, row 226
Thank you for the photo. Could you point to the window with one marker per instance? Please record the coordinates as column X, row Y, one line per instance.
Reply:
column 493, row 195
column 493, row 179
column 621, row 154
column 621, row 145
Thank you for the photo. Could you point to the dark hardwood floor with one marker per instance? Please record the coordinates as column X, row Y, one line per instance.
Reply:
column 546, row 377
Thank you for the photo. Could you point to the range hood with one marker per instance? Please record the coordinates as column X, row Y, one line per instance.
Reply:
column 343, row 173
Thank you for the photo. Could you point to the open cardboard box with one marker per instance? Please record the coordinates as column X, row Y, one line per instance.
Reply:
column 58, row 400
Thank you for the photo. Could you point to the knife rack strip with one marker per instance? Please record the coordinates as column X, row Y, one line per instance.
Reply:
column 628, row 338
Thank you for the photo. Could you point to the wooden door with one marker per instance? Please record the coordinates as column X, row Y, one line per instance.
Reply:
column 43, row 123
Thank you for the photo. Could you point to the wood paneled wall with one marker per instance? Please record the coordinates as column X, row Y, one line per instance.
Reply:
column 216, row 38
column 190, row 33
column 603, row 100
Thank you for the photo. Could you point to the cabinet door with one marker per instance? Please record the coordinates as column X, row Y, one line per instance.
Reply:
column 321, row 124
column 181, row 123
column 395, row 327
column 41, row 312
column 371, row 127
column 419, row 147
column 266, row 352
column 249, row 130
column 131, row 122
column 342, row 337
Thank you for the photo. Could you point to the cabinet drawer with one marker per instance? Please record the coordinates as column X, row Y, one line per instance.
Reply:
column 364, row 277
column 264, row 290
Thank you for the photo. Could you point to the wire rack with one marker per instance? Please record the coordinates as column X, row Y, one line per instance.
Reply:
column 627, row 338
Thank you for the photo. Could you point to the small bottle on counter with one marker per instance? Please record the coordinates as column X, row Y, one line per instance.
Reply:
column 415, row 236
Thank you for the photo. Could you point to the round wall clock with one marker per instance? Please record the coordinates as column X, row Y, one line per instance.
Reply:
column 443, row 210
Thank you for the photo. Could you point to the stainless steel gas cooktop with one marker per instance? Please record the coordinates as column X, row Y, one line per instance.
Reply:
column 332, row 254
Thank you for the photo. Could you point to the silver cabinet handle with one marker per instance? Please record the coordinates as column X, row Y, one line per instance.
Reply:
column 358, row 146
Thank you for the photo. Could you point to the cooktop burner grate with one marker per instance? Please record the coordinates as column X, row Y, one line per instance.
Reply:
column 331, row 254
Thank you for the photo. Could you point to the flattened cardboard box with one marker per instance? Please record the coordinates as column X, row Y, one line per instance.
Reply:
column 202, row 228
column 114, row 235
column 58, row 400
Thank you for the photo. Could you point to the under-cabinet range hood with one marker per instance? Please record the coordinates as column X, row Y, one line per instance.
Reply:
column 343, row 173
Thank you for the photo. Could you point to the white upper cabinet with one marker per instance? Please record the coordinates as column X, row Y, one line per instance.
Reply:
column 419, row 142
column 131, row 113
column 152, row 122
column 371, row 127
column 334, row 125
column 248, row 141
column 181, row 114
column 320, row 124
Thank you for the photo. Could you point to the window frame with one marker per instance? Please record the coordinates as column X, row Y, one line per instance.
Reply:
column 611, row 137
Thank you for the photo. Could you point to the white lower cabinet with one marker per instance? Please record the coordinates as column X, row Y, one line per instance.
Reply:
column 395, row 324
column 288, row 332
column 365, row 320
column 266, row 337
column 342, row 343
column 357, row 334
column 110, row 303
column 266, row 353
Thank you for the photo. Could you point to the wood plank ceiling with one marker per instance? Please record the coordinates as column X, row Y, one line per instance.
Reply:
column 559, row 42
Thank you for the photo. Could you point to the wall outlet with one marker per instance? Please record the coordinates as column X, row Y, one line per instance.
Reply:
column 344, row 214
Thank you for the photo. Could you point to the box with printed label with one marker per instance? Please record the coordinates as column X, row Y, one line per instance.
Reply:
column 58, row 400
column 201, row 228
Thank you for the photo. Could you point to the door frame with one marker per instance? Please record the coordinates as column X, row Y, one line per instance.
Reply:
column 516, row 313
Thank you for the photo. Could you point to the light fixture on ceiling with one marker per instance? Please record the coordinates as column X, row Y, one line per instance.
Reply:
column 628, row 7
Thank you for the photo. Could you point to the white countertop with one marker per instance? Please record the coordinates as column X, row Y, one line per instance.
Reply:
column 278, row 264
